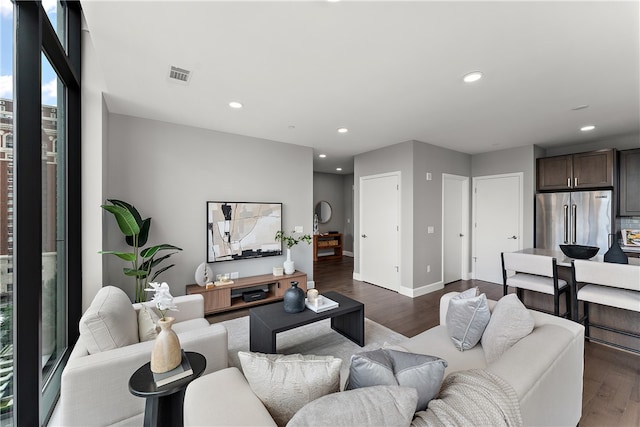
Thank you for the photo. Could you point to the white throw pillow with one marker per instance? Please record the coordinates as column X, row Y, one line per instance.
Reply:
column 147, row 323
column 467, row 316
column 369, row 406
column 510, row 322
column 285, row 383
column 109, row 322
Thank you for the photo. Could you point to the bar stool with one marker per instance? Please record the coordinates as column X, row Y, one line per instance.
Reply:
column 538, row 273
column 613, row 285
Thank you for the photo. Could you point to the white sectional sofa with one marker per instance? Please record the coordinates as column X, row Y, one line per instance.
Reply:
column 545, row 369
column 94, row 388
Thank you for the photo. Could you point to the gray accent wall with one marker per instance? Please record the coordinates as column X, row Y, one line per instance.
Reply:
column 338, row 191
column 169, row 172
column 347, row 194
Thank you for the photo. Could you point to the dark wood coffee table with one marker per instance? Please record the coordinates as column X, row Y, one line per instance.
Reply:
column 267, row 320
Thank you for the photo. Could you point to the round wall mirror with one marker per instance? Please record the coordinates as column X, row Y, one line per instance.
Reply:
column 323, row 210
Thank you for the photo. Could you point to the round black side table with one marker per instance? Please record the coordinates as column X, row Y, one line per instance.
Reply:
column 164, row 404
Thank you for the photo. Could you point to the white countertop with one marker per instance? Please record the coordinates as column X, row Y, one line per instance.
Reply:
column 565, row 261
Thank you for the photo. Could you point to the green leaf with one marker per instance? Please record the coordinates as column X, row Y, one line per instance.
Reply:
column 154, row 261
column 143, row 236
column 149, row 252
column 157, row 273
column 127, row 256
column 126, row 221
column 134, row 273
column 130, row 208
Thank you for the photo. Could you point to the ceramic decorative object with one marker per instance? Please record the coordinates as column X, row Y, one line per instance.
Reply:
column 166, row 353
column 203, row 274
column 615, row 253
column 315, row 223
column 294, row 299
column 312, row 295
column 289, row 266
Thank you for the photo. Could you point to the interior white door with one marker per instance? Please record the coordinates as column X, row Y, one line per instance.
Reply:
column 497, row 221
column 455, row 219
column 379, row 230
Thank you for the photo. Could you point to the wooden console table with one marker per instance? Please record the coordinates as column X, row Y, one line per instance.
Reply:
column 332, row 241
column 229, row 297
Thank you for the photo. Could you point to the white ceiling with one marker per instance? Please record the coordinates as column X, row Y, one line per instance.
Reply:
column 389, row 71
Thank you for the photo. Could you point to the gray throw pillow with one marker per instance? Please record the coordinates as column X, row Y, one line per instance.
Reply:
column 510, row 322
column 371, row 406
column 467, row 317
column 390, row 367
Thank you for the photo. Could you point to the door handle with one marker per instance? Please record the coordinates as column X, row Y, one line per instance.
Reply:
column 512, row 238
column 566, row 224
column 574, row 213
column 364, row 236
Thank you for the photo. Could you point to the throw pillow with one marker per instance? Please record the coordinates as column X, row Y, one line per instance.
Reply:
column 285, row 383
column 510, row 322
column 390, row 367
column 147, row 323
column 109, row 322
column 467, row 317
column 371, row 406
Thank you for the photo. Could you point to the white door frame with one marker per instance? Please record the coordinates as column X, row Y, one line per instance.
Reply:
column 361, row 213
column 520, row 176
column 465, row 221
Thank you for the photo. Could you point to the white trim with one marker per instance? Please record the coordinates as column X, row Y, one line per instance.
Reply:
column 520, row 176
column 396, row 286
column 421, row 290
column 347, row 253
column 356, row 276
column 465, row 220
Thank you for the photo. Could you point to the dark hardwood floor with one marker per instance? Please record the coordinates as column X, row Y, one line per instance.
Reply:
column 611, row 395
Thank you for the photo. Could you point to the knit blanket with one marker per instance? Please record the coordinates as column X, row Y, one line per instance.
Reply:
column 472, row 398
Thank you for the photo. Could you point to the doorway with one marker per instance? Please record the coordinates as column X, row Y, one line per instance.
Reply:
column 497, row 222
column 455, row 228
column 380, row 230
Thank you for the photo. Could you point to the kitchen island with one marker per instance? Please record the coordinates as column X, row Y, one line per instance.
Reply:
column 621, row 319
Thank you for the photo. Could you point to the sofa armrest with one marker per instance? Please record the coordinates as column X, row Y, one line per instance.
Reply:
column 189, row 307
column 95, row 388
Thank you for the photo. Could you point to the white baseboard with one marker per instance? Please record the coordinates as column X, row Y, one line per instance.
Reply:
column 311, row 284
column 468, row 276
column 356, row 276
column 347, row 253
column 422, row 290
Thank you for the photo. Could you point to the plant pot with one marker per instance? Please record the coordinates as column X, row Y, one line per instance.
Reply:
column 166, row 353
column 289, row 266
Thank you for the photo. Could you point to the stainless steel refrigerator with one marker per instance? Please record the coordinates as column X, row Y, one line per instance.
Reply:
column 581, row 218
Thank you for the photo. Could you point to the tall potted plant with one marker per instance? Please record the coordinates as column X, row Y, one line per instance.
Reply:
column 291, row 241
column 136, row 232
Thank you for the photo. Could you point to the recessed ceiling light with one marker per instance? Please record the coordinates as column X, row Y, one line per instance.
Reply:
column 338, row 169
column 235, row 104
column 474, row 76
column 322, row 156
column 343, row 130
column 587, row 128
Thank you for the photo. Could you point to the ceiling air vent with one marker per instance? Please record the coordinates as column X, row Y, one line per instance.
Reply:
column 179, row 74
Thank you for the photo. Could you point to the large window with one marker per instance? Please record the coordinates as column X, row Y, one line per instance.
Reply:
column 40, row 290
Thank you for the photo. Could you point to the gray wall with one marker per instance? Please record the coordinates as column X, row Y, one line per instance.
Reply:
column 512, row 160
column 347, row 193
column 427, row 206
column 328, row 187
column 169, row 172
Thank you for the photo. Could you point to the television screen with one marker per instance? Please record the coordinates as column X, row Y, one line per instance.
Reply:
column 239, row 230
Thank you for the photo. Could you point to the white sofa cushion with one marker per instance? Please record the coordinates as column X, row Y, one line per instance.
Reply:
column 369, row 406
column 510, row 322
column 285, row 383
column 109, row 322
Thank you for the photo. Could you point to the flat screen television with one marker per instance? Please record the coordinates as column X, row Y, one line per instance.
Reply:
column 242, row 230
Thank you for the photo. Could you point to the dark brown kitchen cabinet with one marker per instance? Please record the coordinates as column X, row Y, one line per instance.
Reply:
column 593, row 169
column 629, row 196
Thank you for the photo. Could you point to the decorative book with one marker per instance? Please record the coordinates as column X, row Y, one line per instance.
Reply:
column 322, row 304
column 183, row 370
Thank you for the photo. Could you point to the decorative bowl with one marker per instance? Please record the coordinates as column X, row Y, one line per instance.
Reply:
column 579, row 251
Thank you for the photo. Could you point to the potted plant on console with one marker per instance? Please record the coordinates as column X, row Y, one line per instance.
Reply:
column 291, row 241
column 136, row 232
